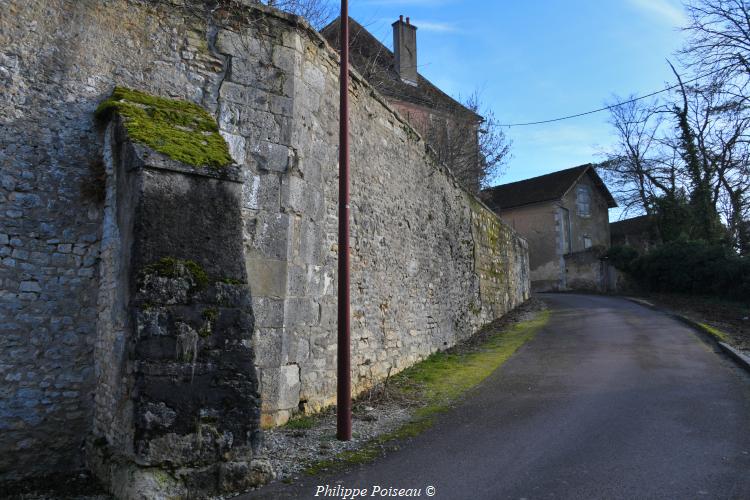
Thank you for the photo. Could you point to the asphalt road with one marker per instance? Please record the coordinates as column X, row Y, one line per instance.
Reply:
column 610, row 400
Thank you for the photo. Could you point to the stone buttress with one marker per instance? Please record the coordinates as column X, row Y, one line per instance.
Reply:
column 177, row 407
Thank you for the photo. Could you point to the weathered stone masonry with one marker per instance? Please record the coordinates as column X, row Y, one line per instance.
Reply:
column 176, row 384
column 431, row 264
column 58, row 60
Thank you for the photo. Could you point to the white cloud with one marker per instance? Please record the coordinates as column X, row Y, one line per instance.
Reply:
column 437, row 27
column 405, row 3
column 669, row 11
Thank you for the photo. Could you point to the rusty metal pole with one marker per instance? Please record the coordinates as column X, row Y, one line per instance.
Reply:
column 344, row 382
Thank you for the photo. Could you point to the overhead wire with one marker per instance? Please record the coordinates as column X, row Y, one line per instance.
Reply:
column 606, row 108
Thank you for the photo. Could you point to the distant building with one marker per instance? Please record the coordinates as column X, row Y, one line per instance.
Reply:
column 564, row 217
column 447, row 125
column 638, row 232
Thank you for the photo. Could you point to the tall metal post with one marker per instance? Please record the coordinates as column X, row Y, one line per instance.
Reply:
column 344, row 382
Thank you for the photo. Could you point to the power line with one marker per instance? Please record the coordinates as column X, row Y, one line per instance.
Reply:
column 606, row 108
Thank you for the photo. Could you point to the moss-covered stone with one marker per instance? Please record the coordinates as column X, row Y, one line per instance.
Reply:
column 181, row 130
column 210, row 314
column 169, row 267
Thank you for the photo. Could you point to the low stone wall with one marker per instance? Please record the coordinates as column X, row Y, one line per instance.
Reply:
column 587, row 270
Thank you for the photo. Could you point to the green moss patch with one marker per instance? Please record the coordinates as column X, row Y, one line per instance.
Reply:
column 169, row 267
column 438, row 382
column 181, row 130
column 210, row 314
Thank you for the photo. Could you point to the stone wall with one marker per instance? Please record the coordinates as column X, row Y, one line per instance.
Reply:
column 58, row 60
column 422, row 272
column 590, row 270
column 430, row 263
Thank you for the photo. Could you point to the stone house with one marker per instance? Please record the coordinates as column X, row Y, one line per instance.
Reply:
column 447, row 125
column 564, row 217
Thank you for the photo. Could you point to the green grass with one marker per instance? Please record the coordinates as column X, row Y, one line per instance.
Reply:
column 301, row 422
column 439, row 381
column 181, row 130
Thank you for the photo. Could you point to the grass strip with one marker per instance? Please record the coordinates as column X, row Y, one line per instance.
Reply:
column 439, row 381
column 715, row 332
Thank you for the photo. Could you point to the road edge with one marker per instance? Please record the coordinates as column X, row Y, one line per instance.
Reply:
column 740, row 359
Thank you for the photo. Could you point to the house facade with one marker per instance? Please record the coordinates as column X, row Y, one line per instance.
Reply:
column 447, row 125
column 564, row 217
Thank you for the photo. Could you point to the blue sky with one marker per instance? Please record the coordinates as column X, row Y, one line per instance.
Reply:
column 534, row 60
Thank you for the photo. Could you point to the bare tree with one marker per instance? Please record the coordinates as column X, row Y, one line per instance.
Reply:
column 719, row 42
column 317, row 12
column 474, row 150
column 494, row 145
column 699, row 166
column 639, row 169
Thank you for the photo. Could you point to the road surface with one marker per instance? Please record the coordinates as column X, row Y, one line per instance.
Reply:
column 610, row 400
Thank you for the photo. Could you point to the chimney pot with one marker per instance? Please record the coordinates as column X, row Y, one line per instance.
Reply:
column 401, row 18
column 407, row 20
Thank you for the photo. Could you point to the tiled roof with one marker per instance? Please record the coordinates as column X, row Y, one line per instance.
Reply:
column 543, row 188
column 376, row 63
column 635, row 225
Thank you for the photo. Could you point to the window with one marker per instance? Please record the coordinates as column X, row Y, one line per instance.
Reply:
column 586, row 242
column 583, row 201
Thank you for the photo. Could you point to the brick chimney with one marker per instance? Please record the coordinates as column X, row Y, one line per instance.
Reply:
column 405, row 50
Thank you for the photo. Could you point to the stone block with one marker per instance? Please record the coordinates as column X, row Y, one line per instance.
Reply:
column 261, row 191
column 280, row 388
column 287, row 60
column 267, row 235
column 30, row 286
column 270, row 156
column 269, row 312
column 313, row 76
column 256, row 126
column 301, row 311
column 294, row 194
column 238, row 44
column 267, row 278
column 240, row 476
column 244, row 96
column 297, row 280
column 268, row 345
column 236, row 145
column 281, row 105
column 310, row 244
column 250, row 71
column 292, row 40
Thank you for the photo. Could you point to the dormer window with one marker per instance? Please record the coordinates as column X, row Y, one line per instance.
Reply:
column 583, row 201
